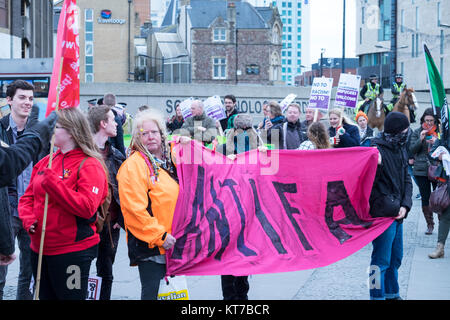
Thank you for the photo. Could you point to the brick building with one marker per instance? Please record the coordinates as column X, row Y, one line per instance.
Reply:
column 227, row 41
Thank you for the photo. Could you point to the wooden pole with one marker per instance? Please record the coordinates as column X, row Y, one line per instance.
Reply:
column 44, row 220
column 316, row 115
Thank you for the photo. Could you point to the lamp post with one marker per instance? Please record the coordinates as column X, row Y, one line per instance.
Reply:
column 343, row 40
column 321, row 61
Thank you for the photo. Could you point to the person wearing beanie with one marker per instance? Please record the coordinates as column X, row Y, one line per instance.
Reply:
column 390, row 197
column 365, row 132
column 241, row 138
column 422, row 139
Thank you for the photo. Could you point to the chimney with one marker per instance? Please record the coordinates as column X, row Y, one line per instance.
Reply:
column 231, row 12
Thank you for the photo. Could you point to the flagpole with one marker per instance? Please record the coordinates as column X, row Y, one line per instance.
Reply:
column 44, row 221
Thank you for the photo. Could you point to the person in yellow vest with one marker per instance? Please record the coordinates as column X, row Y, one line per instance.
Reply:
column 370, row 92
column 397, row 87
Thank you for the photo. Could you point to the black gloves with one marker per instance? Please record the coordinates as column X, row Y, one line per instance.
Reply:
column 43, row 129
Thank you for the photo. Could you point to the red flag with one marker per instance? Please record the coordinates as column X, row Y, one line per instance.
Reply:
column 67, row 51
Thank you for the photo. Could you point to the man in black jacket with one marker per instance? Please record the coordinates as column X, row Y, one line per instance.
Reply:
column 104, row 126
column 390, row 197
column 293, row 132
column 13, row 160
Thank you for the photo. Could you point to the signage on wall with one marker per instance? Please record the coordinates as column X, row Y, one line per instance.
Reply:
column 105, row 18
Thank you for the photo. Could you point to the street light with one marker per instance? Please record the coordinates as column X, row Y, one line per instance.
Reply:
column 162, row 62
column 321, row 61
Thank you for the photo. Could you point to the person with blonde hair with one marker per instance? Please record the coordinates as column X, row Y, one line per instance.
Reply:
column 148, row 191
column 317, row 138
column 76, row 185
column 342, row 131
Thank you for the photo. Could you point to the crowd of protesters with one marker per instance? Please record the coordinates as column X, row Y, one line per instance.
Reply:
column 95, row 178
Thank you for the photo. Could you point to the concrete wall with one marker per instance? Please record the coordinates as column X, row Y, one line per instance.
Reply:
column 249, row 98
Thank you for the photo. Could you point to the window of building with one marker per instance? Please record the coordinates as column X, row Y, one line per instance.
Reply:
column 442, row 42
column 220, row 34
column 219, row 68
column 89, row 45
column 417, row 18
column 402, row 21
column 384, row 32
column 252, row 69
column 442, row 69
column 439, row 14
column 4, row 14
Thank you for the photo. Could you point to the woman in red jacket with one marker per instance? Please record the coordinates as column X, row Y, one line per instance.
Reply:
column 76, row 185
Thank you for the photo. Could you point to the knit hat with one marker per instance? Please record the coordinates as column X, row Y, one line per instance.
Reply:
column 395, row 122
column 361, row 114
column 242, row 121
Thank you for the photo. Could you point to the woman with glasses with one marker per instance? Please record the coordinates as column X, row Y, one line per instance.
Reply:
column 148, row 191
column 422, row 139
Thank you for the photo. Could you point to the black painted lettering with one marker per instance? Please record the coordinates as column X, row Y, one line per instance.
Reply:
column 222, row 225
column 241, row 241
column 281, row 189
column 267, row 227
column 192, row 227
column 337, row 196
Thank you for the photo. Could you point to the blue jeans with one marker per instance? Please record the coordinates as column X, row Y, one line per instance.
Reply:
column 386, row 259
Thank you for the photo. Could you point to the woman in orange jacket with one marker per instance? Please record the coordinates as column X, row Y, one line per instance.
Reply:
column 148, row 191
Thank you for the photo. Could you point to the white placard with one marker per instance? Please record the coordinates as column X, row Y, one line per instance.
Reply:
column 287, row 101
column 214, row 108
column 321, row 93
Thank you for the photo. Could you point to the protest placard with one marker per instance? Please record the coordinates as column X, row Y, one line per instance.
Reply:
column 185, row 107
column 214, row 108
column 321, row 93
column 287, row 101
column 347, row 91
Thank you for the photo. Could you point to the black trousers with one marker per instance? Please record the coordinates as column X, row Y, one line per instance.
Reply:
column 64, row 276
column 105, row 259
column 425, row 186
column 235, row 288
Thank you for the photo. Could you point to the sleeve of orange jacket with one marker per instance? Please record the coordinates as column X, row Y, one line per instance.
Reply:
column 133, row 179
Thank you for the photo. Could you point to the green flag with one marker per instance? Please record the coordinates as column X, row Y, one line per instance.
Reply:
column 437, row 92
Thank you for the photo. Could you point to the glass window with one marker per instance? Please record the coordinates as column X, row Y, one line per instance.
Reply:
column 220, row 34
column 89, row 36
column 89, row 59
column 89, row 49
column 219, row 68
column 89, row 15
column 89, row 26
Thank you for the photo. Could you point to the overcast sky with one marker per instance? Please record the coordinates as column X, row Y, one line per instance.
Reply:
column 326, row 28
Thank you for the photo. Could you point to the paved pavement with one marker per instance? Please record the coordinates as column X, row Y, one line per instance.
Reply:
column 420, row 278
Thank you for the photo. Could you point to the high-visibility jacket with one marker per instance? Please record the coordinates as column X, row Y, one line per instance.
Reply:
column 371, row 92
column 397, row 89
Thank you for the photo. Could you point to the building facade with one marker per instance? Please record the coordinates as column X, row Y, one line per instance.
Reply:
column 107, row 31
column 295, row 55
column 226, row 42
column 417, row 22
column 26, row 29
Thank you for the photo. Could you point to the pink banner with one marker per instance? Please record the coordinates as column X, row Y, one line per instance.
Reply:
column 67, row 47
column 284, row 210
